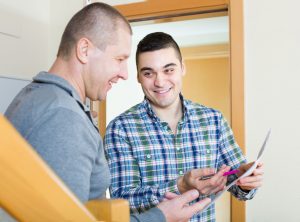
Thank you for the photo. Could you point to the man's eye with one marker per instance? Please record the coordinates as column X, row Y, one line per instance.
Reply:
column 169, row 70
column 120, row 59
column 147, row 74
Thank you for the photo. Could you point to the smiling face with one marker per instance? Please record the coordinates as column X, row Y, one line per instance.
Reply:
column 105, row 67
column 160, row 74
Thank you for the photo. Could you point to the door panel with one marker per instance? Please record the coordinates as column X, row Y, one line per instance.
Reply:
column 147, row 9
column 207, row 81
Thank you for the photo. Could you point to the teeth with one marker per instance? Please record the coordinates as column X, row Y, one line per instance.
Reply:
column 112, row 82
column 162, row 91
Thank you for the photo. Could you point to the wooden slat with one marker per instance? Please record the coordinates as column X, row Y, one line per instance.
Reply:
column 238, row 208
column 116, row 210
column 100, row 108
column 154, row 8
column 29, row 190
column 102, row 118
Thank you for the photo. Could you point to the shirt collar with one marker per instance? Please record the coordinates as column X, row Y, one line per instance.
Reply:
column 45, row 77
column 149, row 110
column 186, row 109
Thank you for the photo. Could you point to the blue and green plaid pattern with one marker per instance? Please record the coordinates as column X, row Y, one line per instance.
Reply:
column 146, row 158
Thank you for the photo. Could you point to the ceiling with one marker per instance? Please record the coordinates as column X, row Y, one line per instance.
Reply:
column 120, row 2
column 194, row 32
column 204, row 31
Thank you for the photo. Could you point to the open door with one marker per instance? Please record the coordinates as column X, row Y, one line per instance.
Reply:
column 154, row 9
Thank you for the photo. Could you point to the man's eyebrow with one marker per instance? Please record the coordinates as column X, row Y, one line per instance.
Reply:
column 165, row 66
column 145, row 69
column 170, row 64
column 125, row 56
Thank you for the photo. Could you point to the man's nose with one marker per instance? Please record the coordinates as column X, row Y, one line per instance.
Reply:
column 124, row 71
column 159, row 79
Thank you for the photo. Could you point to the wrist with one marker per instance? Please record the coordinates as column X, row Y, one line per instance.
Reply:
column 182, row 187
column 244, row 189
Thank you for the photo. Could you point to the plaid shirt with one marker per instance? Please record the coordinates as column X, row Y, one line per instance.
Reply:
column 146, row 158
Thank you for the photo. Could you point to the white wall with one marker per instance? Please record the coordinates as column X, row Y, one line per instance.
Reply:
column 24, row 55
column 272, row 77
column 61, row 12
column 23, row 44
column 36, row 26
column 9, row 88
column 30, row 32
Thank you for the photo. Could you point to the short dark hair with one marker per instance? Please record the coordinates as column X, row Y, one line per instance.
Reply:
column 97, row 22
column 156, row 41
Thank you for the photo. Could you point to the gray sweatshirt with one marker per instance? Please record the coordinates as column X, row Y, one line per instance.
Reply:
column 50, row 116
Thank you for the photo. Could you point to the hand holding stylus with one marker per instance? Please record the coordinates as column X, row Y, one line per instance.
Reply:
column 192, row 180
column 206, row 177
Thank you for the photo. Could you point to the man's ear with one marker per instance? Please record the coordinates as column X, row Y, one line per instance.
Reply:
column 183, row 68
column 138, row 77
column 82, row 48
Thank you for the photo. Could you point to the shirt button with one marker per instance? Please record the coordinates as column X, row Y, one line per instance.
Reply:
column 208, row 151
column 178, row 148
column 180, row 172
column 148, row 156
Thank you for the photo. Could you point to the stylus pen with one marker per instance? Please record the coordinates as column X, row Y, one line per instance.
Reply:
column 225, row 174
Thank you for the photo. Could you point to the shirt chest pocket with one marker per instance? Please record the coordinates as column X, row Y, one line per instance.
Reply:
column 205, row 156
column 151, row 166
column 149, row 160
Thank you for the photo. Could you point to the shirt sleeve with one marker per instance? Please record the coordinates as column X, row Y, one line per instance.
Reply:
column 125, row 174
column 151, row 215
column 231, row 155
column 62, row 139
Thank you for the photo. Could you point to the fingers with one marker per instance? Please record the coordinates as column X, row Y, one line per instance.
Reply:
column 188, row 196
column 198, row 173
column 257, row 174
column 218, row 188
column 254, row 180
column 190, row 180
column 259, row 169
column 94, row 114
column 251, row 181
column 219, row 178
column 213, row 187
column 170, row 195
column 215, row 184
column 248, row 165
column 260, row 164
column 244, row 167
column 250, row 186
column 196, row 207
column 178, row 209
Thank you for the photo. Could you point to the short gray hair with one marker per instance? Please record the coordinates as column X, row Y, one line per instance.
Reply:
column 97, row 22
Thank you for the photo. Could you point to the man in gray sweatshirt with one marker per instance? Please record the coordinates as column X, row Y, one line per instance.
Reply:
column 51, row 114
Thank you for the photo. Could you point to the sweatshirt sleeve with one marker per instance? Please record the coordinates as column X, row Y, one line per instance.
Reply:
column 154, row 214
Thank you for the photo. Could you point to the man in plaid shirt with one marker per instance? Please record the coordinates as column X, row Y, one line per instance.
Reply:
column 167, row 143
